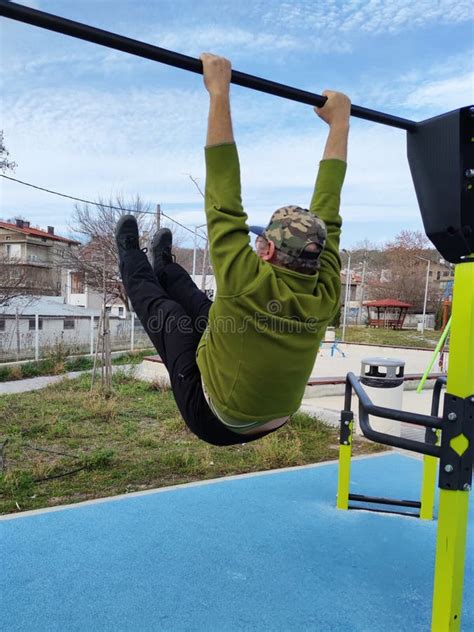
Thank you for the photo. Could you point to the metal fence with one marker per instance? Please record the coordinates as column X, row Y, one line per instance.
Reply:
column 36, row 337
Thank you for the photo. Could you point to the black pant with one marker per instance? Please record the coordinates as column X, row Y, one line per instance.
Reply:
column 174, row 313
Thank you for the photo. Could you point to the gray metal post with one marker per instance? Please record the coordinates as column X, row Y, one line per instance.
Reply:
column 92, row 336
column 426, row 297
column 346, row 298
column 36, row 337
column 132, row 332
column 362, row 289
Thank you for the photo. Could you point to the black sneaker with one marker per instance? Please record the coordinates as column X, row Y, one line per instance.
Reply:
column 161, row 245
column 126, row 235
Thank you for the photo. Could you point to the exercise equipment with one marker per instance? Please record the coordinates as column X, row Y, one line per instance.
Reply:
column 441, row 158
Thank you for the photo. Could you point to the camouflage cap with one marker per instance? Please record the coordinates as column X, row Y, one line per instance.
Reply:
column 292, row 229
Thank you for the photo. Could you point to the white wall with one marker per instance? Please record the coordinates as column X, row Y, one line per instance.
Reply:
column 53, row 334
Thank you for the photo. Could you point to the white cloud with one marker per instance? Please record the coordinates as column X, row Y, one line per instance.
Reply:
column 372, row 16
column 237, row 43
column 445, row 93
column 91, row 144
column 86, row 142
column 430, row 90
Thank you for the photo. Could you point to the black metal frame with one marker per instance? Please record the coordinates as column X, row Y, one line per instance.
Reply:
column 431, row 436
column 366, row 408
column 455, row 471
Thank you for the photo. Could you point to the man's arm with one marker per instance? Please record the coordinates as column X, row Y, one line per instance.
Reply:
column 326, row 198
column 234, row 262
column 336, row 113
column 217, row 75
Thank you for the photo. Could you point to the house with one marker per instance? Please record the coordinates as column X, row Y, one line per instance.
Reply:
column 441, row 274
column 79, row 293
column 32, row 258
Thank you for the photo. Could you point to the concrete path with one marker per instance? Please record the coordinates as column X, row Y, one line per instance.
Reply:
column 37, row 383
column 415, row 360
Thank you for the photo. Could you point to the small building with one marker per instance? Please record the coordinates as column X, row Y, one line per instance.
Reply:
column 32, row 259
column 387, row 312
column 35, row 326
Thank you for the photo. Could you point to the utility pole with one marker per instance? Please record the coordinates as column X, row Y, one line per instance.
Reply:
column 194, row 254
column 425, row 301
column 204, row 266
column 158, row 216
column 196, row 228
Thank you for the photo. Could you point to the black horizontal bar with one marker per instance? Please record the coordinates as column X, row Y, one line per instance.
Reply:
column 141, row 49
column 415, row 504
column 385, row 511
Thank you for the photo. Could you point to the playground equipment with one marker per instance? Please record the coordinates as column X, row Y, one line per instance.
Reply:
column 441, row 157
column 453, row 449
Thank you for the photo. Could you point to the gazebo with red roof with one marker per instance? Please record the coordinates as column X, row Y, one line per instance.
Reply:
column 387, row 312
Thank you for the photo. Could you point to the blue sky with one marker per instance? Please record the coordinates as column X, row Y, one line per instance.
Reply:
column 90, row 122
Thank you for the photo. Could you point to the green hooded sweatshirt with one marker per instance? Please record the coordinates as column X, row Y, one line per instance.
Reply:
column 266, row 322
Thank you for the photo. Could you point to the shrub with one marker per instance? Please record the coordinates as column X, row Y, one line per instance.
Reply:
column 16, row 372
column 99, row 458
column 31, row 369
column 80, row 363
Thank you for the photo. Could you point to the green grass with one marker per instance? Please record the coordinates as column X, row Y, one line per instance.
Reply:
column 131, row 441
column 57, row 364
column 403, row 338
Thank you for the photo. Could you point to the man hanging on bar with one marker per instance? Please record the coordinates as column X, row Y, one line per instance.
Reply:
column 238, row 366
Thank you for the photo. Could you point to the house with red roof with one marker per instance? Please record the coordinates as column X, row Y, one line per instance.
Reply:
column 32, row 259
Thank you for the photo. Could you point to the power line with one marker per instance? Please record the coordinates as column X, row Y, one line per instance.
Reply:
column 116, row 208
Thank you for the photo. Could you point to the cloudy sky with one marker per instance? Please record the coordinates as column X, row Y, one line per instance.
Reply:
column 92, row 122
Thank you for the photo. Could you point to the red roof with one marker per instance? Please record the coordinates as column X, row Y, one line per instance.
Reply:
column 387, row 302
column 36, row 232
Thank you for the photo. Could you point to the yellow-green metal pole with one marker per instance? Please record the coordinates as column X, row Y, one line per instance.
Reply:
column 428, row 487
column 344, row 472
column 453, row 504
column 441, row 342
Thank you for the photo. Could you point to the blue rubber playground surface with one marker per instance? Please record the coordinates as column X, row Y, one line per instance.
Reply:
column 263, row 552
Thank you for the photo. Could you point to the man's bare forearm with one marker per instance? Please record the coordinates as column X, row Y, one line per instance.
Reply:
column 336, row 144
column 219, row 129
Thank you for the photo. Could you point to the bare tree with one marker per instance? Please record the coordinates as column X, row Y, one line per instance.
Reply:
column 13, row 279
column 405, row 274
column 96, row 262
column 13, row 276
column 5, row 164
